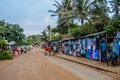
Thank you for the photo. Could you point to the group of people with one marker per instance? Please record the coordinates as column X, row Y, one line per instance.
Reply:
column 15, row 50
column 50, row 49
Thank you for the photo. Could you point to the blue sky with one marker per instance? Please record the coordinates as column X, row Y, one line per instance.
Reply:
column 31, row 15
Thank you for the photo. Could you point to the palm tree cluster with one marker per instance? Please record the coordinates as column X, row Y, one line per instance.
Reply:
column 50, row 34
column 93, row 15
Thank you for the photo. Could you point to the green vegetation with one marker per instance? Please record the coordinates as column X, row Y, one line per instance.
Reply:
column 3, row 44
column 112, row 27
column 11, row 32
column 33, row 39
column 5, row 54
column 93, row 16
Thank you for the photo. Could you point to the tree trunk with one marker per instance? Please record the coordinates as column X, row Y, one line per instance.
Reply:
column 68, row 28
column 82, row 21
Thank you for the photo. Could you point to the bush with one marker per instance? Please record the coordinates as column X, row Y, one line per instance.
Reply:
column 5, row 55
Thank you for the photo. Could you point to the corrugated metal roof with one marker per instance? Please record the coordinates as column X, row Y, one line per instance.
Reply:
column 94, row 34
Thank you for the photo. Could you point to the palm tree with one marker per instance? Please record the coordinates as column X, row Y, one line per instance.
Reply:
column 99, row 14
column 93, row 11
column 82, row 9
column 63, row 12
column 44, row 36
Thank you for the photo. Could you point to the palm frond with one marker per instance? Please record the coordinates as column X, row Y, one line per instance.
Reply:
column 58, row 3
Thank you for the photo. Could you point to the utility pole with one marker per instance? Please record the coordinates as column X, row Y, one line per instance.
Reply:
column 49, row 30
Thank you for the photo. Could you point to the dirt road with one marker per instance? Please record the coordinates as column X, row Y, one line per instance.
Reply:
column 35, row 66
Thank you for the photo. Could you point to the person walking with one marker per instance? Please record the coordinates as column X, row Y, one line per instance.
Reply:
column 21, row 49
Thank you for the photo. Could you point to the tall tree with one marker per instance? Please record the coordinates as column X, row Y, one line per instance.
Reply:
column 11, row 32
column 99, row 14
column 63, row 11
column 81, row 10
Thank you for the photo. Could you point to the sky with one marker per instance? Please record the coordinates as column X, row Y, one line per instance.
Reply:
column 31, row 15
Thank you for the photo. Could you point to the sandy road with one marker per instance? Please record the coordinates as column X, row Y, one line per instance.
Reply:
column 84, row 72
column 33, row 66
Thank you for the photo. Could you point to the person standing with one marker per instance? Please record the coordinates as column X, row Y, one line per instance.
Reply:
column 46, row 51
column 54, row 49
column 21, row 49
column 49, row 49
column 112, row 56
column 103, row 50
column 15, row 50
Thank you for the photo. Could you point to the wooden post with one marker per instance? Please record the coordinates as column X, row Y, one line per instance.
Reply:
column 107, row 49
column 99, row 54
column 99, row 47
column 119, row 53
